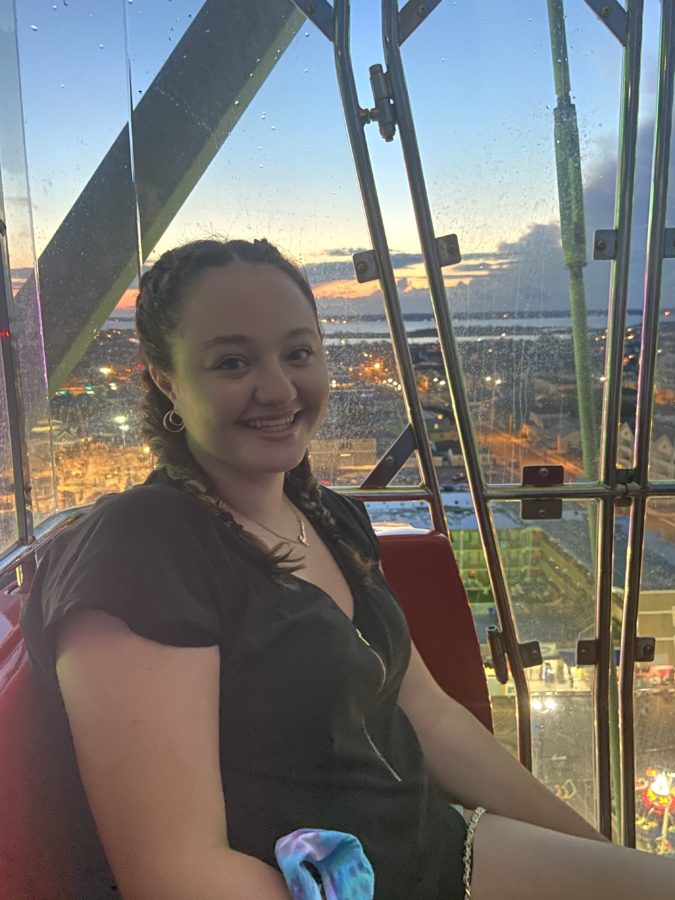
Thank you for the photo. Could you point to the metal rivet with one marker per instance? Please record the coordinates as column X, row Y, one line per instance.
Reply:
column 543, row 471
column 422, row 10
column 600, row 244
column 361, row 266
column 389, row 460
column 605, row 11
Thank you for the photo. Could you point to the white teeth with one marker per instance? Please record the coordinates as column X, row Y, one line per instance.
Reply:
column 271, row 424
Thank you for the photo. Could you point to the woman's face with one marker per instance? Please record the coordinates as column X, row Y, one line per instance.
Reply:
column 249, row 370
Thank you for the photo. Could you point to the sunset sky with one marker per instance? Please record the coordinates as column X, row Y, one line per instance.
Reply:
column 481, row 83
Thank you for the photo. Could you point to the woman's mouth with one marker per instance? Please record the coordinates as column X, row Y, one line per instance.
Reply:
column 273, row 424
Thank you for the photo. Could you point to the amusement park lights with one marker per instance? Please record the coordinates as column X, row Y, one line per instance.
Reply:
column 657, row 824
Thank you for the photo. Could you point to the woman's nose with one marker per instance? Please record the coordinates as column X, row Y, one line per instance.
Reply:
column 275, row 386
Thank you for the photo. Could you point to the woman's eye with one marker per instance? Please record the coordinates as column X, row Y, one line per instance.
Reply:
column 231, row 363
column 300, row 354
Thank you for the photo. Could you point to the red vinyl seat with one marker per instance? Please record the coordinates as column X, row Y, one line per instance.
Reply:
column 421, row 568
column 45, row 840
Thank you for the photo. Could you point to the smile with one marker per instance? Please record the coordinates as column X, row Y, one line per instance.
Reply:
column 277, row 424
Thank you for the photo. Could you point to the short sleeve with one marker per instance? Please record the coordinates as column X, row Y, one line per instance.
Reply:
column 143, row 556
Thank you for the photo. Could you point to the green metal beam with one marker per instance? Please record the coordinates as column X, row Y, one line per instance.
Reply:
column 178, row 127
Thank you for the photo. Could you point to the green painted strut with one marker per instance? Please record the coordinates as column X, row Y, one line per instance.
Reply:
column 573, row 237
column 573, row 232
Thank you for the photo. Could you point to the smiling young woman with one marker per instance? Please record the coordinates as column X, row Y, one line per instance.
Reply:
column 234, row 666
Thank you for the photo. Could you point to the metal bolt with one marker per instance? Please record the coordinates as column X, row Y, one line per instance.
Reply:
column 27, row 488
column 389, row 460
column 361, row 267
column 422, row 10
column 541, row 511
column 605, row 11
column 543, row 471
column 601, row 244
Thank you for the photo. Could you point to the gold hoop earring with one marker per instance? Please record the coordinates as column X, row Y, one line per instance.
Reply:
column 173, row 421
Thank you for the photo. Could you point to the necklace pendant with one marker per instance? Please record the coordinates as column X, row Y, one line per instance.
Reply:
column 302, row 537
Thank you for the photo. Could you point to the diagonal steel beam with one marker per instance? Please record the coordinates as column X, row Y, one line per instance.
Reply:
column 177, row 128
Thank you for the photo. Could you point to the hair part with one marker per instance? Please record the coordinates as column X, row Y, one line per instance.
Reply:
column 158, row 311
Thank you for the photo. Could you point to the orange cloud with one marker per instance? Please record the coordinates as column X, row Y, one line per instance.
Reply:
column 352, row 290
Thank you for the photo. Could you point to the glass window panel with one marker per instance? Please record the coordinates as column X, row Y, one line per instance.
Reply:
column 392, row 515
column 549, row 568
column 662, row 448
column 655, row 685
column 491, row 174
column 8, row 523
column 85, row 231
column 24, row 312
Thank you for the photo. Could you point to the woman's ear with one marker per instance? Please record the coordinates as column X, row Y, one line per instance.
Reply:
column 163, row 382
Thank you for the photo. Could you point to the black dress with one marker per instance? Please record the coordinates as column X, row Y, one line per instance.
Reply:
column 311, row 733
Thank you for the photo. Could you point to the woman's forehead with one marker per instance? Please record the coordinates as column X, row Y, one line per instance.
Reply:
column 257, row 300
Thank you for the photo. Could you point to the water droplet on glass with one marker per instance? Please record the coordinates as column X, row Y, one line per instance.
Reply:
column 100, row 46
column 307, row 34
column 33, row 28
column 273, row 127
column 263, row 116
column 306, row 71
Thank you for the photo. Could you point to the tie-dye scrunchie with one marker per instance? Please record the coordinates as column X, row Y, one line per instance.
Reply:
column 337, row 857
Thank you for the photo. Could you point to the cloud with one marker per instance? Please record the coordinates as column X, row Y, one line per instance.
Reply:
column 343, row 251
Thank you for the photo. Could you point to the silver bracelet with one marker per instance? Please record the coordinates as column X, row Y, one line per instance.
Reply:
column 467, row 858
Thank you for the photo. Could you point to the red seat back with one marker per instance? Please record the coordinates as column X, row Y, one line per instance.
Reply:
column 46, row 837
column 422, row 570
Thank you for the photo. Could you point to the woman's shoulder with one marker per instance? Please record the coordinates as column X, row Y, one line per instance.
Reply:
column 134, row 519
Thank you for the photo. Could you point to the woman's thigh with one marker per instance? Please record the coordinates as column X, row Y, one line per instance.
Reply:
column 516, row 861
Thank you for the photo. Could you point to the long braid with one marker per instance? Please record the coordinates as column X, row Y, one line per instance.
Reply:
column 308, row 490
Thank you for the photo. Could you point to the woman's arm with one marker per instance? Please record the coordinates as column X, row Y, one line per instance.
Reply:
column 469, row 764
column 144, row 719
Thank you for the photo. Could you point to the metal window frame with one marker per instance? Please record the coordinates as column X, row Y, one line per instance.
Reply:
column 610, row 488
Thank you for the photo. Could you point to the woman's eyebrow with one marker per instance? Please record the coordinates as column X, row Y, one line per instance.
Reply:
column 244, row 339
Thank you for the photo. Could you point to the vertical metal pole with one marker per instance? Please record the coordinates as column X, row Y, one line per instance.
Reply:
column 453, row 371
column 645, row 403
column 611, row 415
column 355, row 121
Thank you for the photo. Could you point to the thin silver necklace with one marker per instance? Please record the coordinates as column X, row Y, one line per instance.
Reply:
column 302, row 534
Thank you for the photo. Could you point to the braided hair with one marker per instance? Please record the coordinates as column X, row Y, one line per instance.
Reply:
column 158, row 309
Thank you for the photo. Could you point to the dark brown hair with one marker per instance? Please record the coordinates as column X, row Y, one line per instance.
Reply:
column 158, row 309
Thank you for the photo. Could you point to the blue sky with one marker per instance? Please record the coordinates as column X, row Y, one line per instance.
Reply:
column 480, row 78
